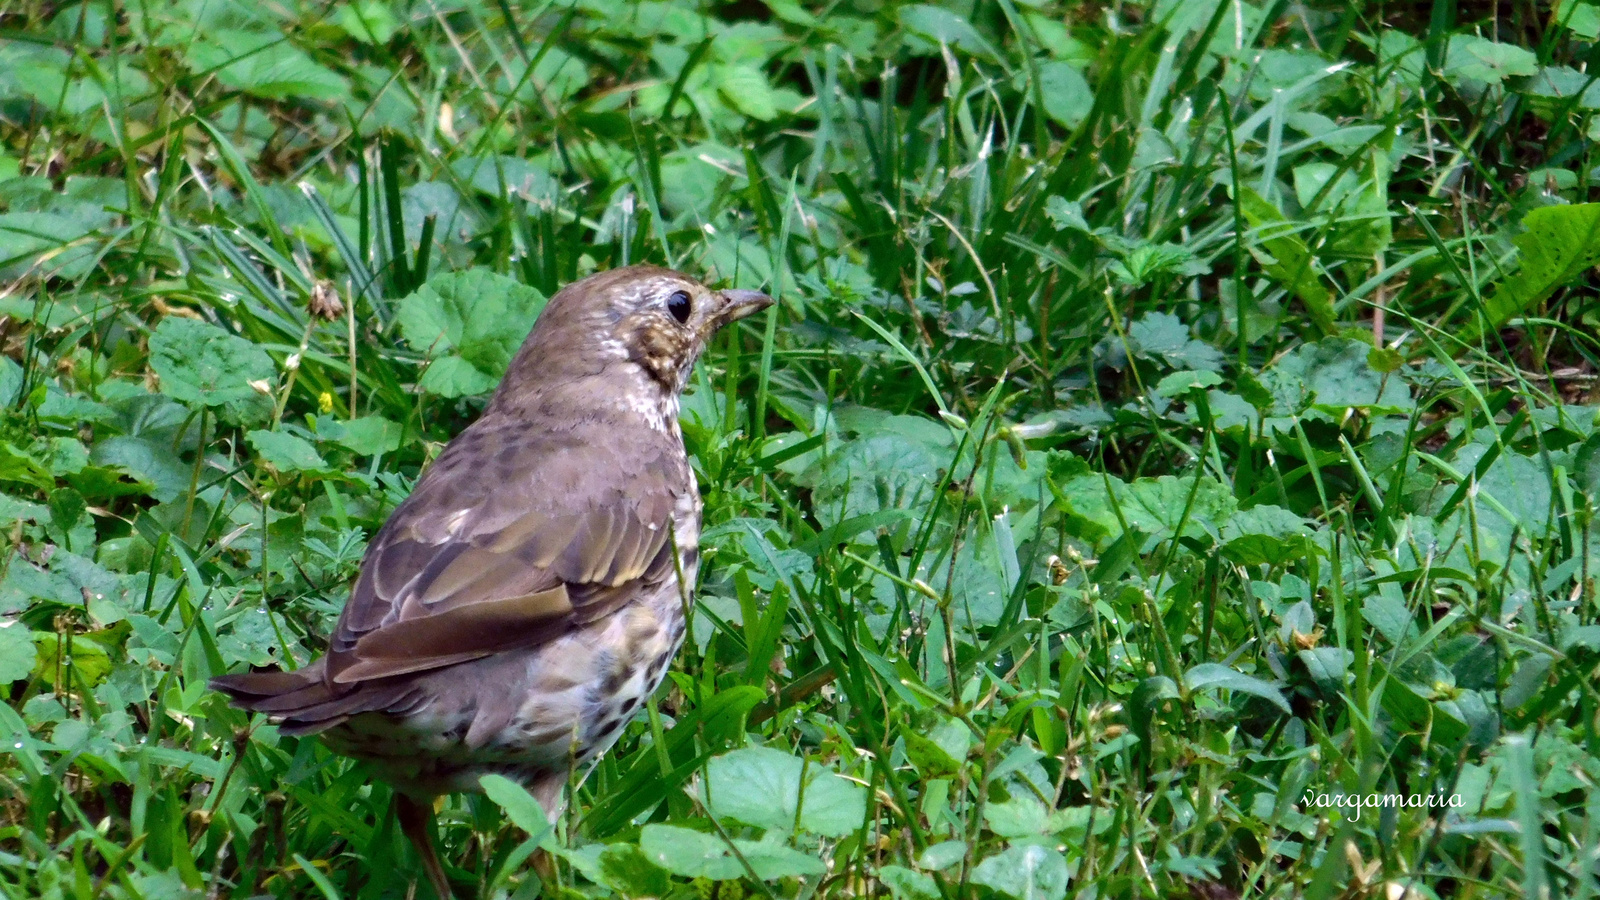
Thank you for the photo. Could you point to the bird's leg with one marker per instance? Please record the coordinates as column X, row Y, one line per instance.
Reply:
column 547, row 791
column 414, row 820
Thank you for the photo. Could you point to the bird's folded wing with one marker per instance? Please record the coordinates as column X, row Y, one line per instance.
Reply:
column 461, row 571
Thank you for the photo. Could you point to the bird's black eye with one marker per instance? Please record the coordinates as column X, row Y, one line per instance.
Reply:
column 678, row 305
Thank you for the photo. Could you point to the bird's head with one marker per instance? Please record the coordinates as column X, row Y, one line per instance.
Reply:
column 651, row 320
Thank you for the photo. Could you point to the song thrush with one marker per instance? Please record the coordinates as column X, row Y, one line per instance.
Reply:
column 523, row 603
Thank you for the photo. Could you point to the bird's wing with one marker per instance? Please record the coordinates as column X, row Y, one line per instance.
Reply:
column 508, row 540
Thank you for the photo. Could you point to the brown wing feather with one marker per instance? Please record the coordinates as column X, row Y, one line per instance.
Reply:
column 487, row 557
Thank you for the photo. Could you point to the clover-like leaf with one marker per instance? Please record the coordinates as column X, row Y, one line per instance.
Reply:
column 1332, row 375
column 941, row 26
column 908, row 884
column 1581, row 16
column 1265, row 535
column 520, row 806
column 1163, row 337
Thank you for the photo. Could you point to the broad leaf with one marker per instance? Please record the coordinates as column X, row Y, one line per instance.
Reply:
column 695, row 854
column 1559, row 245
column 200, row 363
column 1215, row 675
column 285, row 452
column 17, row 653
column 1286, row 256
column 1025, row 872
column 471, row 324
column 762, row 786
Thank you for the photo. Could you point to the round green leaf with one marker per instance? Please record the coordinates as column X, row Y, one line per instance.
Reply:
column 761, row 786
column 1067, row 97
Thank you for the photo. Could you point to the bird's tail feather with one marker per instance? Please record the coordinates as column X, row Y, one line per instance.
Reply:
column 302, row 701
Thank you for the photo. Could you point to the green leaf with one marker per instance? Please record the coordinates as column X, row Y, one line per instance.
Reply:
column 1020, row 816
column 942, row 855
column 199, row 363
column 266, row 65
column 1287, row 257
column 520, row 806
column 1586, row 468
column 1153, row 506
column 14, row 509
column 17, row 653
column 1162, row 337
column 46, row 243
column 471, row 324
column 1067, row 97
column 501, row 175
column 1064, row 214
column 1357, row 200
column 907, row 884
column 86, row 658
column 762, row 786
column 1481, row 59
column 1025, row 872
column 747, row 89
column 285, row 452
column 366, row 436
column 1265, row 535
column 19, row 466
column 1183, row 381
column 1332, row 375
column 1581, row 17
column 1386, row 612
column 625, row 869
column 1206, row 676
column 1327, row 666
column 941, row 26
column 941, row 750
column 368, row 21
column 154, row 469
column 452, row 218
column 1559, row 245
column 694, row 854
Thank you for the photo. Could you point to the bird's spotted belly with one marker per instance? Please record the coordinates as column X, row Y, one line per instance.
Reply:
column 632, row 676
column 524, row 715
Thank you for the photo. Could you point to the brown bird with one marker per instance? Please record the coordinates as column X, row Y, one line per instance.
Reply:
column 523, row 603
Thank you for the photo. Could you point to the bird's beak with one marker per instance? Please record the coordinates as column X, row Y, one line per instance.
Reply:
column 737, row 304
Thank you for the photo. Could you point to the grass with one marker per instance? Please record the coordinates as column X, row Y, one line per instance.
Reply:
column 1170, row 469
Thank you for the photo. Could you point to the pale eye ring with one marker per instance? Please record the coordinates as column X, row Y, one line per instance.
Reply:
column 678, row 305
